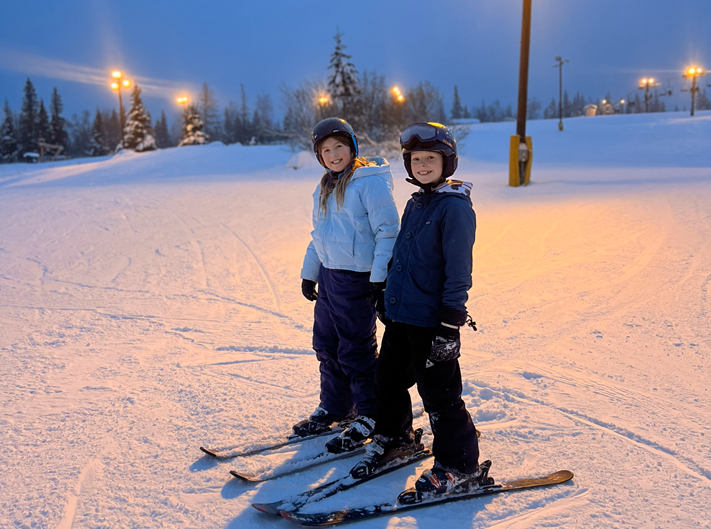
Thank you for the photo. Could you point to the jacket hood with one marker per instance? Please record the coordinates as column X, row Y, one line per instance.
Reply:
column 376, row 166
column 457, row 187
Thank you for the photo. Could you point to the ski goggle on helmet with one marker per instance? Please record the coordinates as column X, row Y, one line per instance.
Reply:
column 430, row 137
column 333, row 127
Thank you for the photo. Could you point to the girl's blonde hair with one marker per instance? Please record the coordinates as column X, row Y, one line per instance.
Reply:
column 329, row 184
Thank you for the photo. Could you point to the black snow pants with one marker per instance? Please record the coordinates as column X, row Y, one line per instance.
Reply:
column 402, row 363
column 345, row 342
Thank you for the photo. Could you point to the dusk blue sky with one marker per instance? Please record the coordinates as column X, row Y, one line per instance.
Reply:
column 172, row 47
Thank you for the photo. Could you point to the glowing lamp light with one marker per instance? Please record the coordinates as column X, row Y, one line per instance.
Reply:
column 181, row 100
column 323, row 100
column 651, row 81
column 116, row 74
column 397, row 93
column 604, row 101
column 114, row 86
column 126, row 83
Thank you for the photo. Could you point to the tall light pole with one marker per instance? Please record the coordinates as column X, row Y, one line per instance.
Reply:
column 521, row 147
column 560, row 90
column 692, row 73
column 116, row 85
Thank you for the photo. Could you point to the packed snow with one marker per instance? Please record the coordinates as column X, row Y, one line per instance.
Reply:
column 150, row 303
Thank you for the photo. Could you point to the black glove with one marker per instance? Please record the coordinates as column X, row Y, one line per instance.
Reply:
column 308, row 289
column 377, row 295
column 445, row 343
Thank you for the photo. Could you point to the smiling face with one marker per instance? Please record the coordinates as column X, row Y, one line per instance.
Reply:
column 426, row 166
column 336, row 155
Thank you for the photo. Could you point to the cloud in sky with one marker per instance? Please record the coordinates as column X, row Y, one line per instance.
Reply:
column 35, row 65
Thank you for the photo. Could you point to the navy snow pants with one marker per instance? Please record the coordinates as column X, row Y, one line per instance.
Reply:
column 345, row 342
column 402, row 363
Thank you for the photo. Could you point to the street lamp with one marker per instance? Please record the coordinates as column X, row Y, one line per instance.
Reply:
column 397, row 94
column 324, row 100
column 692, row 73
column 183, row 100
column 560, row 90
column 116, row 85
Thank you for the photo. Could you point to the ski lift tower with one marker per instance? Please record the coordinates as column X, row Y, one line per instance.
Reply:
column 692, row 73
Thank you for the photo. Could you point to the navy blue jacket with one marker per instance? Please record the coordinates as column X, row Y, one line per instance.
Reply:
column 431, row 268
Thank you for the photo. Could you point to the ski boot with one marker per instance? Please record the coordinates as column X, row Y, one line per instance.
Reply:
column 353, row 436
column 382, row 449
column 441, row 480
column 319, row 421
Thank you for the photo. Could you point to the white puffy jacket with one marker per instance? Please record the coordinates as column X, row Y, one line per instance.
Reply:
column 361, row 234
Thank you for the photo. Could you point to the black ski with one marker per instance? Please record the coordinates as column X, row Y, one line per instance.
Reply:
column 233, row 452
column 385, row 509
column 329, row 489
column 297, row 466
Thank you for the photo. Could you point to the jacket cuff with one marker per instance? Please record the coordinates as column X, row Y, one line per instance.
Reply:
column 452, row 316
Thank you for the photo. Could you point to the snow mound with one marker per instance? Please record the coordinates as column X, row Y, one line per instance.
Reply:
column 303, row 160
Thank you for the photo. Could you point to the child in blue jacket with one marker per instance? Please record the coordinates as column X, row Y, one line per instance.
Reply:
column 427, row 284
column 355, row 225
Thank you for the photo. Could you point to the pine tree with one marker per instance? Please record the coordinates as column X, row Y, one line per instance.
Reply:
column 209, row 111
column 551, row 111
column 343, row 80
column 638, row 106
column 57, row 134
column 27, row 133
column 231, row 123
column 98, row 145
column 43, row 130
column 138, row 133
column 112, row 127
column 567, row 106
column 456, row 105
column 9, row 148
column 161, row 129
column 192, row 133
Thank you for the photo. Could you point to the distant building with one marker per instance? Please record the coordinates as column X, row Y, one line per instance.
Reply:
column 590, row 110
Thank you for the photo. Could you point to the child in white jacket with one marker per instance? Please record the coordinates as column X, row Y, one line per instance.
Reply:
column 355, row 226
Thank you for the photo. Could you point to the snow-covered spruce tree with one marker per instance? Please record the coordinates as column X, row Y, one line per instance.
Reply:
column 57, row 133
column 192, row 133
column 138, row 133
column 9, row 148
column 98, row 146
column 343, row 79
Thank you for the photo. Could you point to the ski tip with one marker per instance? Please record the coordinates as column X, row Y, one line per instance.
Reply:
column 561, row 476
column 241, row 477
column 208, row 451
column 268, row 508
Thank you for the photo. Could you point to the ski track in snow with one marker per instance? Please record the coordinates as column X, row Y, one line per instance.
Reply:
column 144, row 316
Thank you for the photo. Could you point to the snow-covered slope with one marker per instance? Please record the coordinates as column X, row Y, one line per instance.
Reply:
column 150, row 303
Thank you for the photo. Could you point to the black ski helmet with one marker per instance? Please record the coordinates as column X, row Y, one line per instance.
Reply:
column 333, row 127
column 430, row 137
